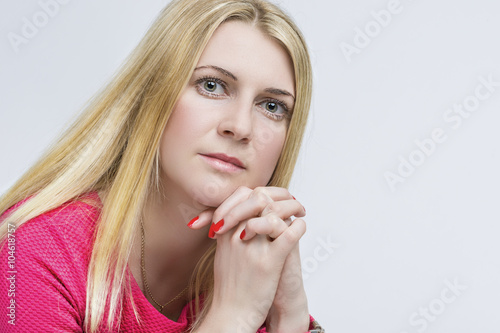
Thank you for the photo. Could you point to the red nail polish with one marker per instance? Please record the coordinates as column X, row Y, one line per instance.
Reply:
column 218, row 225
column 211, row 232
column 243, row 233
column 190, row 224
column 293, row 197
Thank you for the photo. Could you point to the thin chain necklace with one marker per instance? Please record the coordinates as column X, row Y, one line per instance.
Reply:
column 145, row 281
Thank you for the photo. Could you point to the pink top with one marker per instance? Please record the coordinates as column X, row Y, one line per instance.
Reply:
column 45, row 285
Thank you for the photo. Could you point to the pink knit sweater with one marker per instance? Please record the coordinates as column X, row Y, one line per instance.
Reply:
column 45, row 265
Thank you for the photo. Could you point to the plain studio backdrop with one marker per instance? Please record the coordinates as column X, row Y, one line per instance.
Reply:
column 399, row 167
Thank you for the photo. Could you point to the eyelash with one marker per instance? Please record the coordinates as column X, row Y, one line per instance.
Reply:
column 286, row 114
column 206, row 79
column 203, row 91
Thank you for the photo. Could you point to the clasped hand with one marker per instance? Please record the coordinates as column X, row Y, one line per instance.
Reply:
column 257, row 272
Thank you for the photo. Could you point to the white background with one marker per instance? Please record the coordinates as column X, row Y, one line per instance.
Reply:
column 396, row 251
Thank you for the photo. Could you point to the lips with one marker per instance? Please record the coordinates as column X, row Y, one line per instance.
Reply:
column 225, row 158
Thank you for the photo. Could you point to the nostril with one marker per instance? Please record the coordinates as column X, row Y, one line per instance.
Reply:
column 234, row 132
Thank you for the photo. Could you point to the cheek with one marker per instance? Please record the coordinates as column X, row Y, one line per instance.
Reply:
column 269, row 143
column 183, row 125
column 176, row 137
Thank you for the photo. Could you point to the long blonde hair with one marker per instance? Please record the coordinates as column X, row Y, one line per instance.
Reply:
column 113, row 145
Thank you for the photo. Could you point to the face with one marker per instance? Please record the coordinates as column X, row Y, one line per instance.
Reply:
column 229, row 126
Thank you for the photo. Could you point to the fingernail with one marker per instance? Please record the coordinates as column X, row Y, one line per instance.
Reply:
column 218, row 225
column 243, row 233
column 293, row 197
column 190, row 224
column 211, row 232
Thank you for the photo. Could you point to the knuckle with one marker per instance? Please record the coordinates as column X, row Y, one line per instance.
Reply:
column 273, row 219
column 261, row 199
column 303, row 222
column 274, row 207
column 260, row 189
column 242, row 189
column 250, row 224
column 291, row 236
column 230, row 217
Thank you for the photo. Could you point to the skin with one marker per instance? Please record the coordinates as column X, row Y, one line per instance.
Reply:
column 228, row 107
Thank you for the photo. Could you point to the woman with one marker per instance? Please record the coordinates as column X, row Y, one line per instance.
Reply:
column 202, row 126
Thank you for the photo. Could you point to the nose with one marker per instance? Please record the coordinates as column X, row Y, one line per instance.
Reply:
column 237, row 122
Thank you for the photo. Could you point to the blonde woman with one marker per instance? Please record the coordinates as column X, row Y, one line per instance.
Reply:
column 164, row 207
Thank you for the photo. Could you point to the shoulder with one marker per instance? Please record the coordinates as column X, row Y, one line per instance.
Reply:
column 48, row 256
column 67, row 230
column 71, row 224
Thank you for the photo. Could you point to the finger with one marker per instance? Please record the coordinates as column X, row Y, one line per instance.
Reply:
column 270, row 225
column 202, row 220
column 276, row 193
column 285, row 208
column 218, row 218
column 290, row 237
column 301, row 204
column 250, row 208
column 246, row 204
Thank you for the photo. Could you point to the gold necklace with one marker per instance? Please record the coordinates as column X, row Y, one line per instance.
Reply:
column 145, row 281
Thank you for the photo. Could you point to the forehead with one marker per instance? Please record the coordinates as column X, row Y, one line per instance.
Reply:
column 249, row 54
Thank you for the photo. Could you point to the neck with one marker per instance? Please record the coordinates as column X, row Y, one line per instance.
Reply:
column 171, row 249
column 170, row 244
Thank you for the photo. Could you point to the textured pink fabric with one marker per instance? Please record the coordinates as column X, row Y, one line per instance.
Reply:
column 52, row 253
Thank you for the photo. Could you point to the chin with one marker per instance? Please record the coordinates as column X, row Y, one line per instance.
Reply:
column 211, row 194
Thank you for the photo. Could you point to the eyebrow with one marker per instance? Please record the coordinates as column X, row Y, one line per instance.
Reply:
column 221, row 70
column 274, row 91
